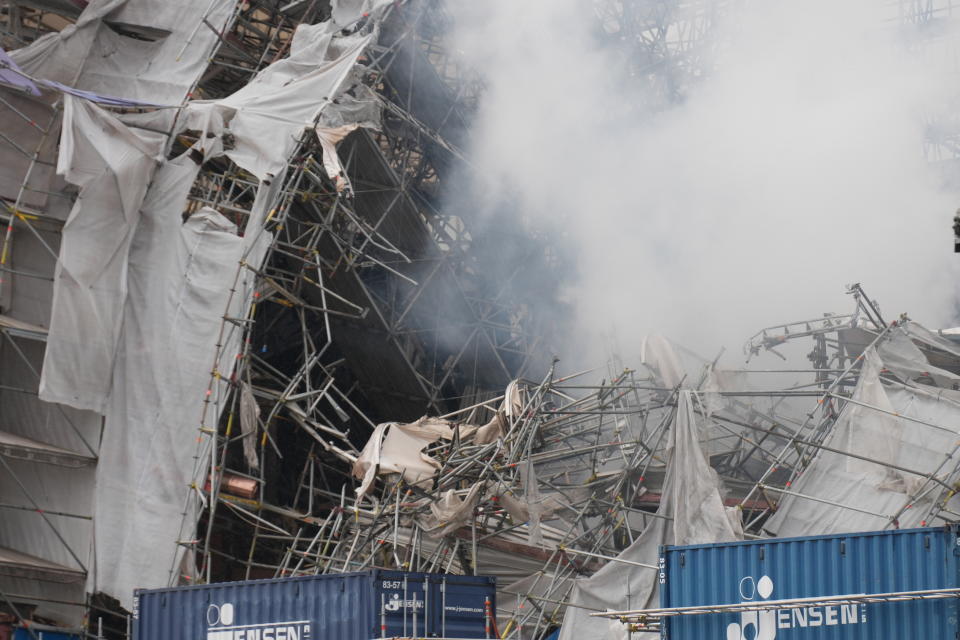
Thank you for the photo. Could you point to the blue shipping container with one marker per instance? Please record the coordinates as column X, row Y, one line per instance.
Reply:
column 347, row 606
column 815, row 567
column 42, row 633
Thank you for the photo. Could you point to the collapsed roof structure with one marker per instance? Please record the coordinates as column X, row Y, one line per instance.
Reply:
column 245, row 335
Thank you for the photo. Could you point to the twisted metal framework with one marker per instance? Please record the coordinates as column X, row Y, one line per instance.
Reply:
column 578, row 475
column 371, row 303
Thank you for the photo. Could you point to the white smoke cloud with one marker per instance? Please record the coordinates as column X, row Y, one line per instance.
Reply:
column 795, row 167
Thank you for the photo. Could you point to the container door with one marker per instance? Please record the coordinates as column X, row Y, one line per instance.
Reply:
column 458, row 607
column 401, row 603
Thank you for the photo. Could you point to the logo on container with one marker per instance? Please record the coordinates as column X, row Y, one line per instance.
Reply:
column 220, row 626
column 395, row 603
column 763, row 625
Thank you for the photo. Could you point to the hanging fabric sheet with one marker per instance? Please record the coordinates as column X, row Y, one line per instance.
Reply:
column 691, row 498
column 838, row 493
column 112, row 165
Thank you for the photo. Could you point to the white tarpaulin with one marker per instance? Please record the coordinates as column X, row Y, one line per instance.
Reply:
column 515, row 600
column 180, row 280
column 657, row 353
column 283, row 100
column 258, row 117
column 398, row 448
column 901, row 356
column 141, row 296
column 137, row 49
column 869, row 495
column 112, row 165
column 691, row 498
column 346, row 12
column 450, row 511
column 329, row 137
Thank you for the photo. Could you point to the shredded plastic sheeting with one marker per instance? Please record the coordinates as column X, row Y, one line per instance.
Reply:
column 271, row 113
column 397, row 448
column 902, row 356
column 135, row 49
column 145, row 296
column 658, row 354
column 451, row 512
column 345, row 13
column 844, row 493
column 691, row 499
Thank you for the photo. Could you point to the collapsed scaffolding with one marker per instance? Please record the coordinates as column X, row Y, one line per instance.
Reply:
column 289, row 244
column 559, row 480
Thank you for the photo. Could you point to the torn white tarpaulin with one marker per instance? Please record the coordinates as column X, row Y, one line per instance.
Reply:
column 345, row 13
column 136, row 49
column 902, row 357
column 512, row 402
column 283, row 100
column 60, row 56
column 498, row 426
column 398, row 448
column 113, row 166
column 657, row 353
column 517, row 599
column 531, row 496
column 519, row 510
column 490, row 432
column 450, row 511
column 180, row 280
column 921, row 334
column 869, row 495
column 691, row 498
column 331, row 161
column 356, row 103
column 533, row 512
column 249, row 424
column 717, row 382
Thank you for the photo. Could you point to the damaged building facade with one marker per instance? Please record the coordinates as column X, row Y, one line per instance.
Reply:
column 244, row 334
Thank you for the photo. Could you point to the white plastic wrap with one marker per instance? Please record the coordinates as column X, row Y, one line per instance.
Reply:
column 283, row 100
column 180, row 280
column 346, row 12
column 113, row 166
column 148, row 292
column 691, row 498
column 397, row 448
column 901, row 356
column 658, row 354
column 871, row 494
column 159, row 66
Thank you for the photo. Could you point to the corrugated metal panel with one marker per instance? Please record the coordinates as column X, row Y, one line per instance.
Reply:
column 24, row 634
column 348, row 606
column 855, row 563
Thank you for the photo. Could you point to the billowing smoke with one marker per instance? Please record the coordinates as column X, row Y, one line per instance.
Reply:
column 707, row 208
